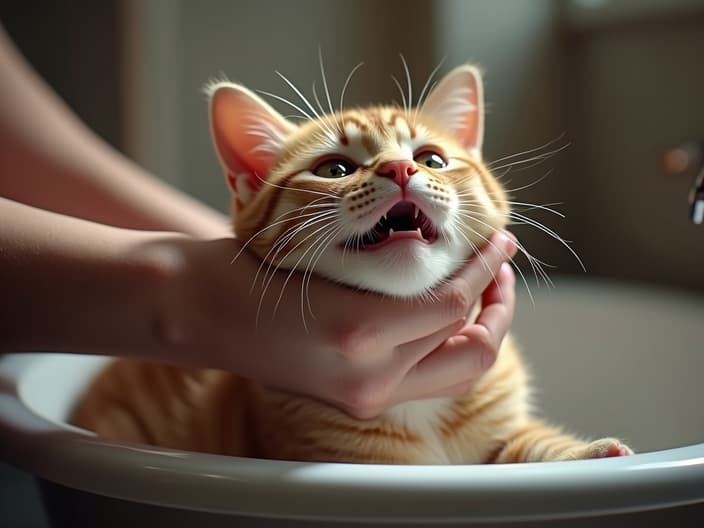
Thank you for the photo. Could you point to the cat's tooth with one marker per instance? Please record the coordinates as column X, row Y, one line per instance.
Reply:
column 391, row 231
column 416, row 211
column 420, row 233
column 383, row 217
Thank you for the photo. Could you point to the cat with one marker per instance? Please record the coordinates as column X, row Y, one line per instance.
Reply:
column 386, row 198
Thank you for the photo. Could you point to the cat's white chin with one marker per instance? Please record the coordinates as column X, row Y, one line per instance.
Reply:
column 404, row 268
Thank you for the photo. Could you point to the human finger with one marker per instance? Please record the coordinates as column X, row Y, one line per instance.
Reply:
column 464, row 357
column 443, row 371
column 392, row 322
column 406, row 356
column 368, row 397
column 498, row 305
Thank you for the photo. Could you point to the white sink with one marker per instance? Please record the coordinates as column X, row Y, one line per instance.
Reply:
column 607, row 359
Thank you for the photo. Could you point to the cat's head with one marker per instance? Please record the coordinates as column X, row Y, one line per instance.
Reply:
column 381, row 198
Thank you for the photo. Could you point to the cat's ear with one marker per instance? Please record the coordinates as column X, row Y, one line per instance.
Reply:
column 457, row 104
column 248, row 135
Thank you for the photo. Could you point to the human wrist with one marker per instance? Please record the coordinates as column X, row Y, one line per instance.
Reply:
column 165, row 260
column 192, row 319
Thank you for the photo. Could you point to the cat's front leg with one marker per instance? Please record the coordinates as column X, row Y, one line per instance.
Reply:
column 539, row 442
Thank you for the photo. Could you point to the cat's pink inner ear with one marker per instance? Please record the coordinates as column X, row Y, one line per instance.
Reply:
column 248, row 136
column 457, row 105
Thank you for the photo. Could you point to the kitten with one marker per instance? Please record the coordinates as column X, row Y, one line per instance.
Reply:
column 384, row 198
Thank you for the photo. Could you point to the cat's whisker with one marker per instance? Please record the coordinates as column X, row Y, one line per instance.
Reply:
column 312, row 216
column 501, row 178
column 310, row 268
column 295, row 116
column 508, row 190
column 529, row 151
column 303, row 98
column 351, row 242
column 272, row 273
column 409, row 86
column 427, row 88
column 317, row 99
column 534, row 263
column 531, row 184
column 326, row 120
column 294, row 269
column 287, row 235
column 533, row 160
column 475, row 249
column 400, row 90
column 528, row 206
column 286, row 101
column 286, row 188
column 430, row 296
column 344, row 90
column 315, row 245
column 537, row 266
column 463, row 195
column 471, row 218
column 520, row 166
column 534, row 223
column 541, row 207
column 281, row 220
column 325, row 81
column 445, row 237
column 329, row 121
column 283, row 239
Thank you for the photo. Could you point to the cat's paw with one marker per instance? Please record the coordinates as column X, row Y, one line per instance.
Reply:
column 603, row 448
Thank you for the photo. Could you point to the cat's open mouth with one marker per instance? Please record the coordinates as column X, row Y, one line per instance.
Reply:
column 404, row 221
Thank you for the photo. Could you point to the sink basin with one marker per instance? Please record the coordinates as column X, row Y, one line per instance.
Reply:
column 607, row 359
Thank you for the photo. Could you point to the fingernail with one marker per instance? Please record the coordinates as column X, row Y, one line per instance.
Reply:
column 509, row 242
column 506, row 269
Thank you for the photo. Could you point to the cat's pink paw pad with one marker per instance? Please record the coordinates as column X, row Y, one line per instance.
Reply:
column 606, row 448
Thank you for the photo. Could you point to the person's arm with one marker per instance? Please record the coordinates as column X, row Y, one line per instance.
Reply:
column 50, row 159
column 70, row 285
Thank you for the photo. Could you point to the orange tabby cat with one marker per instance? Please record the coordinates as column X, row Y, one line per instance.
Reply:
column 384, row 198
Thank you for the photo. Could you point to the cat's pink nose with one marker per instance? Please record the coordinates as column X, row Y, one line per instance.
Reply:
column 399, row 171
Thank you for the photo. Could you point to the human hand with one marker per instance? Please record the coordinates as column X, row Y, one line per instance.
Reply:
column 362, row 352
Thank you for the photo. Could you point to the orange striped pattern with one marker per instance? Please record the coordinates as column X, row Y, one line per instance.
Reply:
column 212, row 411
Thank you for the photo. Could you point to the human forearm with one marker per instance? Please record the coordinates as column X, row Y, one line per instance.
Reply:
column 72, row 285
column 50, row 159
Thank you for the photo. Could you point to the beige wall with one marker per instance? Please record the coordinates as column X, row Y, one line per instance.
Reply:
column 187, row 43
column 637, row 88
column 620, row 84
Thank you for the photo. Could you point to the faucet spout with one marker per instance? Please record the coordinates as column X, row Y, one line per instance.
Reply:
column 688, row 159
column 696, row 198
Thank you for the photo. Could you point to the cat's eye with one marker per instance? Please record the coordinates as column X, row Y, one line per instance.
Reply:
column 334, row 168
column 431, row 159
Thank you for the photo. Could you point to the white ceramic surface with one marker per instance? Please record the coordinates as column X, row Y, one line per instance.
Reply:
column 609, row 359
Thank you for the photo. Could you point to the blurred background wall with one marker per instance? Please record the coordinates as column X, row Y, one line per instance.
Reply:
column 615, row 82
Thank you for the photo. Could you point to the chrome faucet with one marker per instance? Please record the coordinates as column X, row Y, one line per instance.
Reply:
column 688, row 159
column 696, row 198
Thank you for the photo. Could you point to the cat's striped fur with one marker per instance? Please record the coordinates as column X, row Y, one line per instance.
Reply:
column 383, row 198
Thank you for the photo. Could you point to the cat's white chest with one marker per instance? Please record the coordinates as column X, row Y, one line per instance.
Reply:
column 424, row 417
